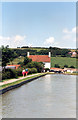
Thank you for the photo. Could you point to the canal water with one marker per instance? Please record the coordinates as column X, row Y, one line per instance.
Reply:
column 51, row 96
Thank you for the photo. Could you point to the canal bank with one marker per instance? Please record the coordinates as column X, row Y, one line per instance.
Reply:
column 15, row 84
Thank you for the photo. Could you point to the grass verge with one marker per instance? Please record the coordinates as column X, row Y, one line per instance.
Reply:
column 19, row 81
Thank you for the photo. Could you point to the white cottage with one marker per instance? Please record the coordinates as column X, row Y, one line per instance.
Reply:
column 41, row 58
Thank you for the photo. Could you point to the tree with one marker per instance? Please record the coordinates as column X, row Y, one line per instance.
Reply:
column 27, row 60
column 38, row 65
column 7, row 55
column 66, row 66
column 64, row 52
column 72, row 66
column 57, row 66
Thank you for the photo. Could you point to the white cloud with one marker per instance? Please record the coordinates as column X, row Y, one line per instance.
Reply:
column 49, row 41
column 66, row 31
column 13, row 41
column 4, row 38
column 18, row 38
column 73, row 30
column 70, row 34
column 66, row 37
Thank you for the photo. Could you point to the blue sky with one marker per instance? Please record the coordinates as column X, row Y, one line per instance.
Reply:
column 39, row 24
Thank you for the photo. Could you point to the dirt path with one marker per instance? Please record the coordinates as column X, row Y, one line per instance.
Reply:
column 13, row 80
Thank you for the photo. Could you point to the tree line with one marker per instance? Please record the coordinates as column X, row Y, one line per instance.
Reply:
column 54, row 52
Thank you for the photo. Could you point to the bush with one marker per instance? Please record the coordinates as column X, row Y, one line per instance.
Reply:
column 33, row 70
column 66, row 66
column 57, row 66
column 29, row 71
column 5, row 75
column 30, row 65
column 37, row 65
column 27, row 60
column 72, row 67
column 47, row 69
column 19, row 71
column 9, row 73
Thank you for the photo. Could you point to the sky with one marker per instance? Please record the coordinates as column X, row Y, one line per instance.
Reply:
column 38, row 24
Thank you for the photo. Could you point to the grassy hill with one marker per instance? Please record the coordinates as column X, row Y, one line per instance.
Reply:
column 17, row 60
column 33, row 48
column 63, row 61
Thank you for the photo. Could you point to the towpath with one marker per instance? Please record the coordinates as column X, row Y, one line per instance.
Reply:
column 13, row 80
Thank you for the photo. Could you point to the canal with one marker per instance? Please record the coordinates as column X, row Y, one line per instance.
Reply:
column 51, row 96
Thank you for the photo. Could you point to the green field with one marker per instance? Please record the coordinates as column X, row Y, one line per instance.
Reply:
column 63, row 61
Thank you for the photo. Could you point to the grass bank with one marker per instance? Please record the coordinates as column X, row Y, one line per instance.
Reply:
column 21, row 82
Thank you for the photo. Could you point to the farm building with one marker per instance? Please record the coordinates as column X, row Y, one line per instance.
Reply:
column 41, row 58
column 73, row 54
column 56, row 70
column 70, row 70
column 12, row 66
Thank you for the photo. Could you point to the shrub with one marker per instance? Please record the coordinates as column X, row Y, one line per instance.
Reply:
column 33, row 70
column 46, row 69
column 72, row 66
column 4, row 76
column 37, row 65
column 29, row 71
column 30, row 65
column 9, row 73
column 27, row 60
column 66, row 66
column 19, row 71
column 0, row 75
column 57, row 66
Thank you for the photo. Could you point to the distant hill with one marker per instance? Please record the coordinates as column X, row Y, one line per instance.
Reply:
column 63, row 52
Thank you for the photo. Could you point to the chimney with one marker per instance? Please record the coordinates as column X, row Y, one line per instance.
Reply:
column 28, row 54
column 49, row 54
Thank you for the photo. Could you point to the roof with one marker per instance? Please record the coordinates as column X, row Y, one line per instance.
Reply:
column 14, row 65
column 40, row 58
column 56, row 69
column 59, row 69
column 73, row 69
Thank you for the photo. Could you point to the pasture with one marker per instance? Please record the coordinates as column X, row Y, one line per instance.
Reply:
column 61, row 61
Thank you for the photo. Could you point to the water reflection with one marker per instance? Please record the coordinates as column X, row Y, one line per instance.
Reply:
column 0, row 107
column 47, row 83
column 51, row 96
